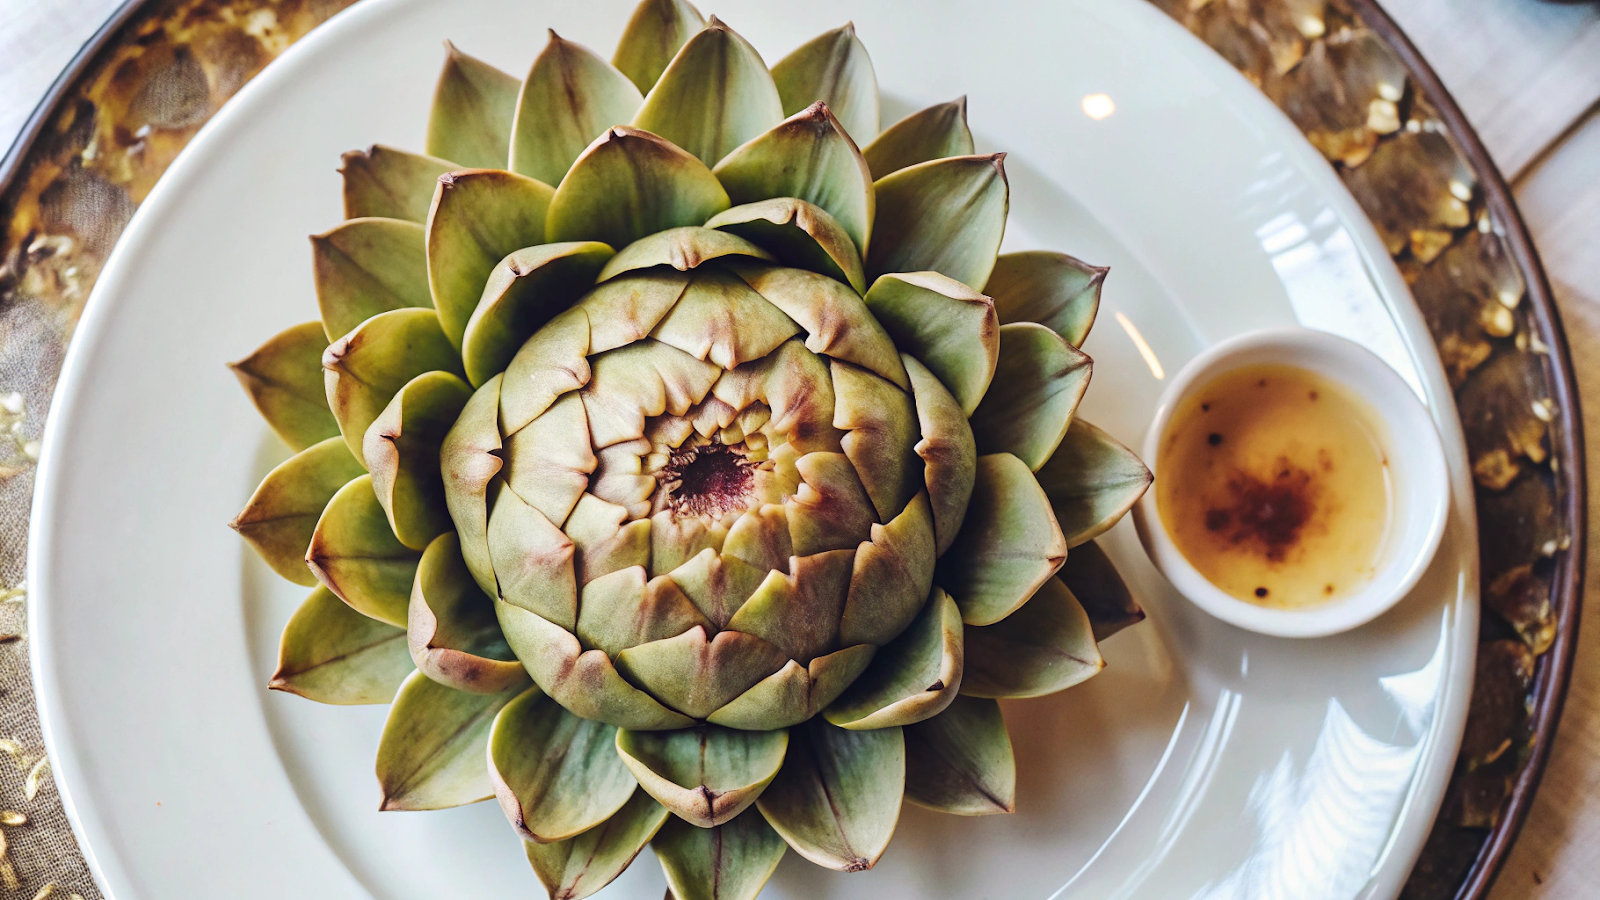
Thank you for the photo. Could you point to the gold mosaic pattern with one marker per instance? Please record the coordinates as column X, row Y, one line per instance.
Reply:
column 175, row 62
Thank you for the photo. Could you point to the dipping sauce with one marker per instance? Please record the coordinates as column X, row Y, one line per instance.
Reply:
column 1275, row 485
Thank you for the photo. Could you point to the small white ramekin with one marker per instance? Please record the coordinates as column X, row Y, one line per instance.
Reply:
column 1420, row 480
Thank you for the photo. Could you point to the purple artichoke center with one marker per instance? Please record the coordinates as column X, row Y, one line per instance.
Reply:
column 708, row 480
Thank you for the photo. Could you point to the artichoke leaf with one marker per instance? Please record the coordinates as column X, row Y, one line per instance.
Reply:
column 285, row 382
column 948, row 327
column 603, row 539
column 948, row 450
column 644, row 379
column 795, row 385
column 1009, row 544
column 401, row 448
column 579, row 867
column 1094, row 580
column 760, row 540
column 798, row 234
column 832, row 68
column 880, row 425
column 332, row 654
column 795, row 693
column 682, row 248
column 892, row 576
column 695, row 674
column 469, row 461
column 960, row 762
column 434, row 745
column 586, row 683
column 282, row 514
column 938, row 132
column 837, row 799
column 385, row 182
column 365, row 267
column 946, row 216
column 452, row 631
column 1053, row 289
column 555, row 774
column 831, row 511
column 835, row 319
column 715, row 95
column 705, row 775
column 721, row 319
column 554, row 362
column 355, row 554
column 630, row 184
column 655, row 34
column 729, row 862
column 912, row 678
column 799, row 612
column 716, row 584
column 522, row 293
column 532, row 560
column 807, row 157
column 1046, row 646
column 473, row 106
column 1043, row 378
column 627, row 308
column 478, row 218
column 570, row 97
column 623, row 610
column 549, row 461
column 366, row 368
column 1091, row 480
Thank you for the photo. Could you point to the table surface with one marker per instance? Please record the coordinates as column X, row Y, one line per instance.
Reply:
column 1527, row 73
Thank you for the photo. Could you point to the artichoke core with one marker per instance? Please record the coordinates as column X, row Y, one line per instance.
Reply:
column 707, row 480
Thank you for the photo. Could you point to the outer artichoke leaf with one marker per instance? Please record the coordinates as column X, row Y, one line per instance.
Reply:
column 1044, row 647
column 800, row 235
column 1091, row 480
column 721, row 319
column 452, row 630
column 630, row 184
column 569, row 98
column 912, row 678
column 880, row 424
column 1009, row 544
column 586, row 683
column 960, row 761
column 950, row 328
column 355, row 554
column 655, row 33
column 808, row 157
column 365, row 267
column 387, row 183
column 282, row 513
column 834, row 317
column 1042, row 379
column 1094, row 580
column 715, row 95
column 627, row 308
column 553, row 362
column 434, row 745
column 532, row 560
column 366, row 368
column 831, row 511
column 332, row 654
column 717, row 585
column 837, row 800
column 681, row 248
column 285, row 382
column 556, row 775
column 729, row 862
column 621, row 610
column 948, row 450
column 579, row 867
column 705, row 775
column 799, row 612
column 479, row 217
column 1057, row 291
column 523, row 292
column 401, row 448
column 697, row 675
column 892, row 575
column 944, row 216
column 937, row 132
column 795, row 693
column 472, row 111
column 832, row 68
column 469, row 461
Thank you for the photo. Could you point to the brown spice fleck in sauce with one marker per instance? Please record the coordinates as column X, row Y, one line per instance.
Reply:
column 1267, row 515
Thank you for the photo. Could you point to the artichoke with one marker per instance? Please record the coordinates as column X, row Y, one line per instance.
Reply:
column 648, row 461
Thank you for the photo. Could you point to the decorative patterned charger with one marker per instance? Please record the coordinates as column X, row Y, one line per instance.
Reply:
column 1341, row 70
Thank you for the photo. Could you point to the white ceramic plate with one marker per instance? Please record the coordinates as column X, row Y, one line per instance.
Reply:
column 1204, row 762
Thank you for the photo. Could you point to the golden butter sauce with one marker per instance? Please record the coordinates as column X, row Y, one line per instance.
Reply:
column 1274, row 483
